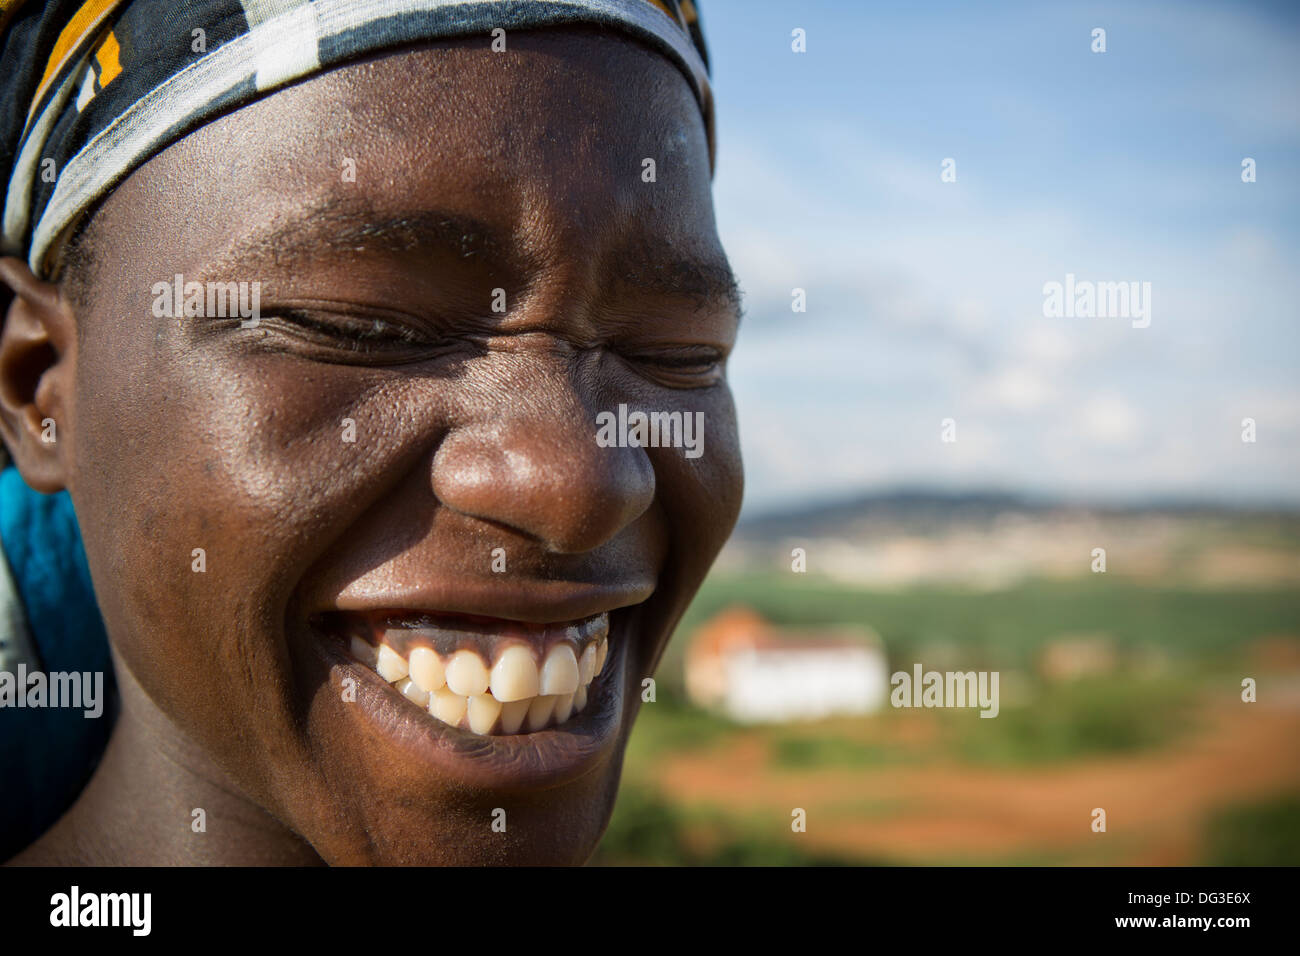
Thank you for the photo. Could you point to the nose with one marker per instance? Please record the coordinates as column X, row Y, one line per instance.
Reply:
column 535, row 466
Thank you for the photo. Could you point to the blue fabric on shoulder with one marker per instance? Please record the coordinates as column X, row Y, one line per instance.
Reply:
column 47, row 754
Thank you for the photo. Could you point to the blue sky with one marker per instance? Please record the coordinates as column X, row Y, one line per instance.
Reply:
column 925, row 298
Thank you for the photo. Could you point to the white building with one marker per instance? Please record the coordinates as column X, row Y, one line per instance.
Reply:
column 754, row 673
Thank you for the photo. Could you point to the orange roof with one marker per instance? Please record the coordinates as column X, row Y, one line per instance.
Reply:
column 735, row 628
column 740, row 628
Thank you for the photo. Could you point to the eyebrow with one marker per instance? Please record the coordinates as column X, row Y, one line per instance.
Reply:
column 706, row 281
column 346, row 227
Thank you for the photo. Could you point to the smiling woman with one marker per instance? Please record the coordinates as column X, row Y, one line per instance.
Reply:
column 374, row 591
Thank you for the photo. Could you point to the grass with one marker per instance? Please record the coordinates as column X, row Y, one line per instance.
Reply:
column 1097, row 716
column 648, row 830
column 807, row 752
column 671, row 725
column 1257, row 834
column 1080, row 719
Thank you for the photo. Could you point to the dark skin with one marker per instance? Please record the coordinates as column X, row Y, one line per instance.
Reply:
column 475, row 171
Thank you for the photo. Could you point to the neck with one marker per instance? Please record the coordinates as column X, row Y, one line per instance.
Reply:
column 139, row 808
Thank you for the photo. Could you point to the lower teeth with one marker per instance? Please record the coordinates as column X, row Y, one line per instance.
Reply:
column 461, row 691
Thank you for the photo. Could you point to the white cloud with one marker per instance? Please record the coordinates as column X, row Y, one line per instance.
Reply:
column 1110, row 420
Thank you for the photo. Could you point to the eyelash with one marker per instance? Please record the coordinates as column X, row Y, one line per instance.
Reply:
column 700, row 365
column 357, row 333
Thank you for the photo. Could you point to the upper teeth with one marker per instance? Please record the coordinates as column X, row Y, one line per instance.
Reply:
column 515, row 694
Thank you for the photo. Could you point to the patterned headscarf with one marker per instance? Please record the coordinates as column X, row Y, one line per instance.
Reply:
column 90, row 89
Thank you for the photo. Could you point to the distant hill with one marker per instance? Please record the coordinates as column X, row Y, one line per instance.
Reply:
column 931, row 510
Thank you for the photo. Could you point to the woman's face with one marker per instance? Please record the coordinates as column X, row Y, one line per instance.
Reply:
column 388, row 455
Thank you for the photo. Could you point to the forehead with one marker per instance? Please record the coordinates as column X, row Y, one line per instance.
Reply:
column 546, row 143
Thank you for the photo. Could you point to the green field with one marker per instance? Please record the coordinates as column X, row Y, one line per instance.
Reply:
column 1201, row 638
column 1196, row 628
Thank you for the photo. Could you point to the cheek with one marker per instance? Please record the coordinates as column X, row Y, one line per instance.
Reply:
column 209, row 488
column 704, row 485
column 700, row 496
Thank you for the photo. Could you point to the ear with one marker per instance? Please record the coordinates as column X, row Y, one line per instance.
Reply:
column 37, row 365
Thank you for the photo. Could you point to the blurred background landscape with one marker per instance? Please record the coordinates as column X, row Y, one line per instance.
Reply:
column 1120, row 690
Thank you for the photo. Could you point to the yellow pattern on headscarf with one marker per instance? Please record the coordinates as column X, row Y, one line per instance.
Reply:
column 109, row 63
column 85, row 21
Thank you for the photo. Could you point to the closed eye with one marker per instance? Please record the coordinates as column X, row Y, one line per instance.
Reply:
column 355, row 335
column 692, row 366
column 351, row 328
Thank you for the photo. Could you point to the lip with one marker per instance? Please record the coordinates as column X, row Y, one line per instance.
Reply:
column 540, row 602
column 529, row 762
